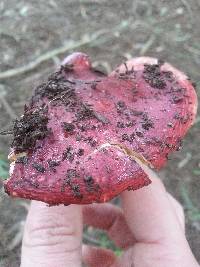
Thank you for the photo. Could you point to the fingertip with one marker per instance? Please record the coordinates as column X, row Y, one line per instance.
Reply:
column 97, row 257
column 149, row 213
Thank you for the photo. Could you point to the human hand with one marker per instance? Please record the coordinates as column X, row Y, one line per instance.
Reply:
column 149, row 227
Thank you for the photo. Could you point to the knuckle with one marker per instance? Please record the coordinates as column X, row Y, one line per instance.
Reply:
column 48, row 234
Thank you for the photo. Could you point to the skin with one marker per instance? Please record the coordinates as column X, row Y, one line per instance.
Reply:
column 149, row 227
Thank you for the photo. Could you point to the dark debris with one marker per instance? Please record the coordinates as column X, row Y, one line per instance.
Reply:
column 68, row 154
column 153, row 76
column 30, row 128
column 38, row 167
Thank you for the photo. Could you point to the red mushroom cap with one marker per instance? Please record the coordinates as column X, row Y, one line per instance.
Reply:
column 84, row 136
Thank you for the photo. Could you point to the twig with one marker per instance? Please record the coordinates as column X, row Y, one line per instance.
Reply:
column 147, row 45
column 51, row 54
column 17, row 239
column 83, row 12
column 7, row 107
column 86, row 39
column 6, row 132
column 188, row 7
column 184, row 161
column 192, row 50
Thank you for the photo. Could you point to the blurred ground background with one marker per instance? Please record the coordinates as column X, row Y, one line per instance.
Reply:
column 38, row 34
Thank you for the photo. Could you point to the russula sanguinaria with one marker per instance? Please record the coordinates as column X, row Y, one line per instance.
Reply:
column 84, row 135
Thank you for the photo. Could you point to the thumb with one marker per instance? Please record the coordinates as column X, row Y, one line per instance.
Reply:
column 52, row 236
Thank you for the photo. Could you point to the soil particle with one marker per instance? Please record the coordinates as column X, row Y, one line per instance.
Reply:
column 170, row 124
column 132, row 137
column 68, row 127
column 52, row 164
column 125, row 137
column 83, row 128
column 80, row 152
column 84, row 112
column 101, row 118
column 79, row 137
column 91, row 141
column 139, row 133
column 130, row 124
column 181, row 118
column 38, row 167
column 68, row 154
column 136, row 113
column 71, row 173
column 121, row 104
column 70, row 176
column 23, row 160
column 76, row 190
column 177, row 99
column 129, row 138
column 89, row 180
column 177, row 116
column 147, row 123
column 90, row 184
column 134, row 91
column 94, row 86
column 168, row 75
column 120, row 124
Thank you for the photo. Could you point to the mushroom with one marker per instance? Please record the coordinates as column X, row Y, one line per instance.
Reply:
column 85, row 136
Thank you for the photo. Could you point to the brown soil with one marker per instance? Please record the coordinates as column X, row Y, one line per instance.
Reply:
column 110, row 32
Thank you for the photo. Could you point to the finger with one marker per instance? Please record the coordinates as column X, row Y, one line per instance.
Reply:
column 155, row 255
column 97, row 257
column 149, row 213
column 110, row 218
column 178, row 209
column 52, row 236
